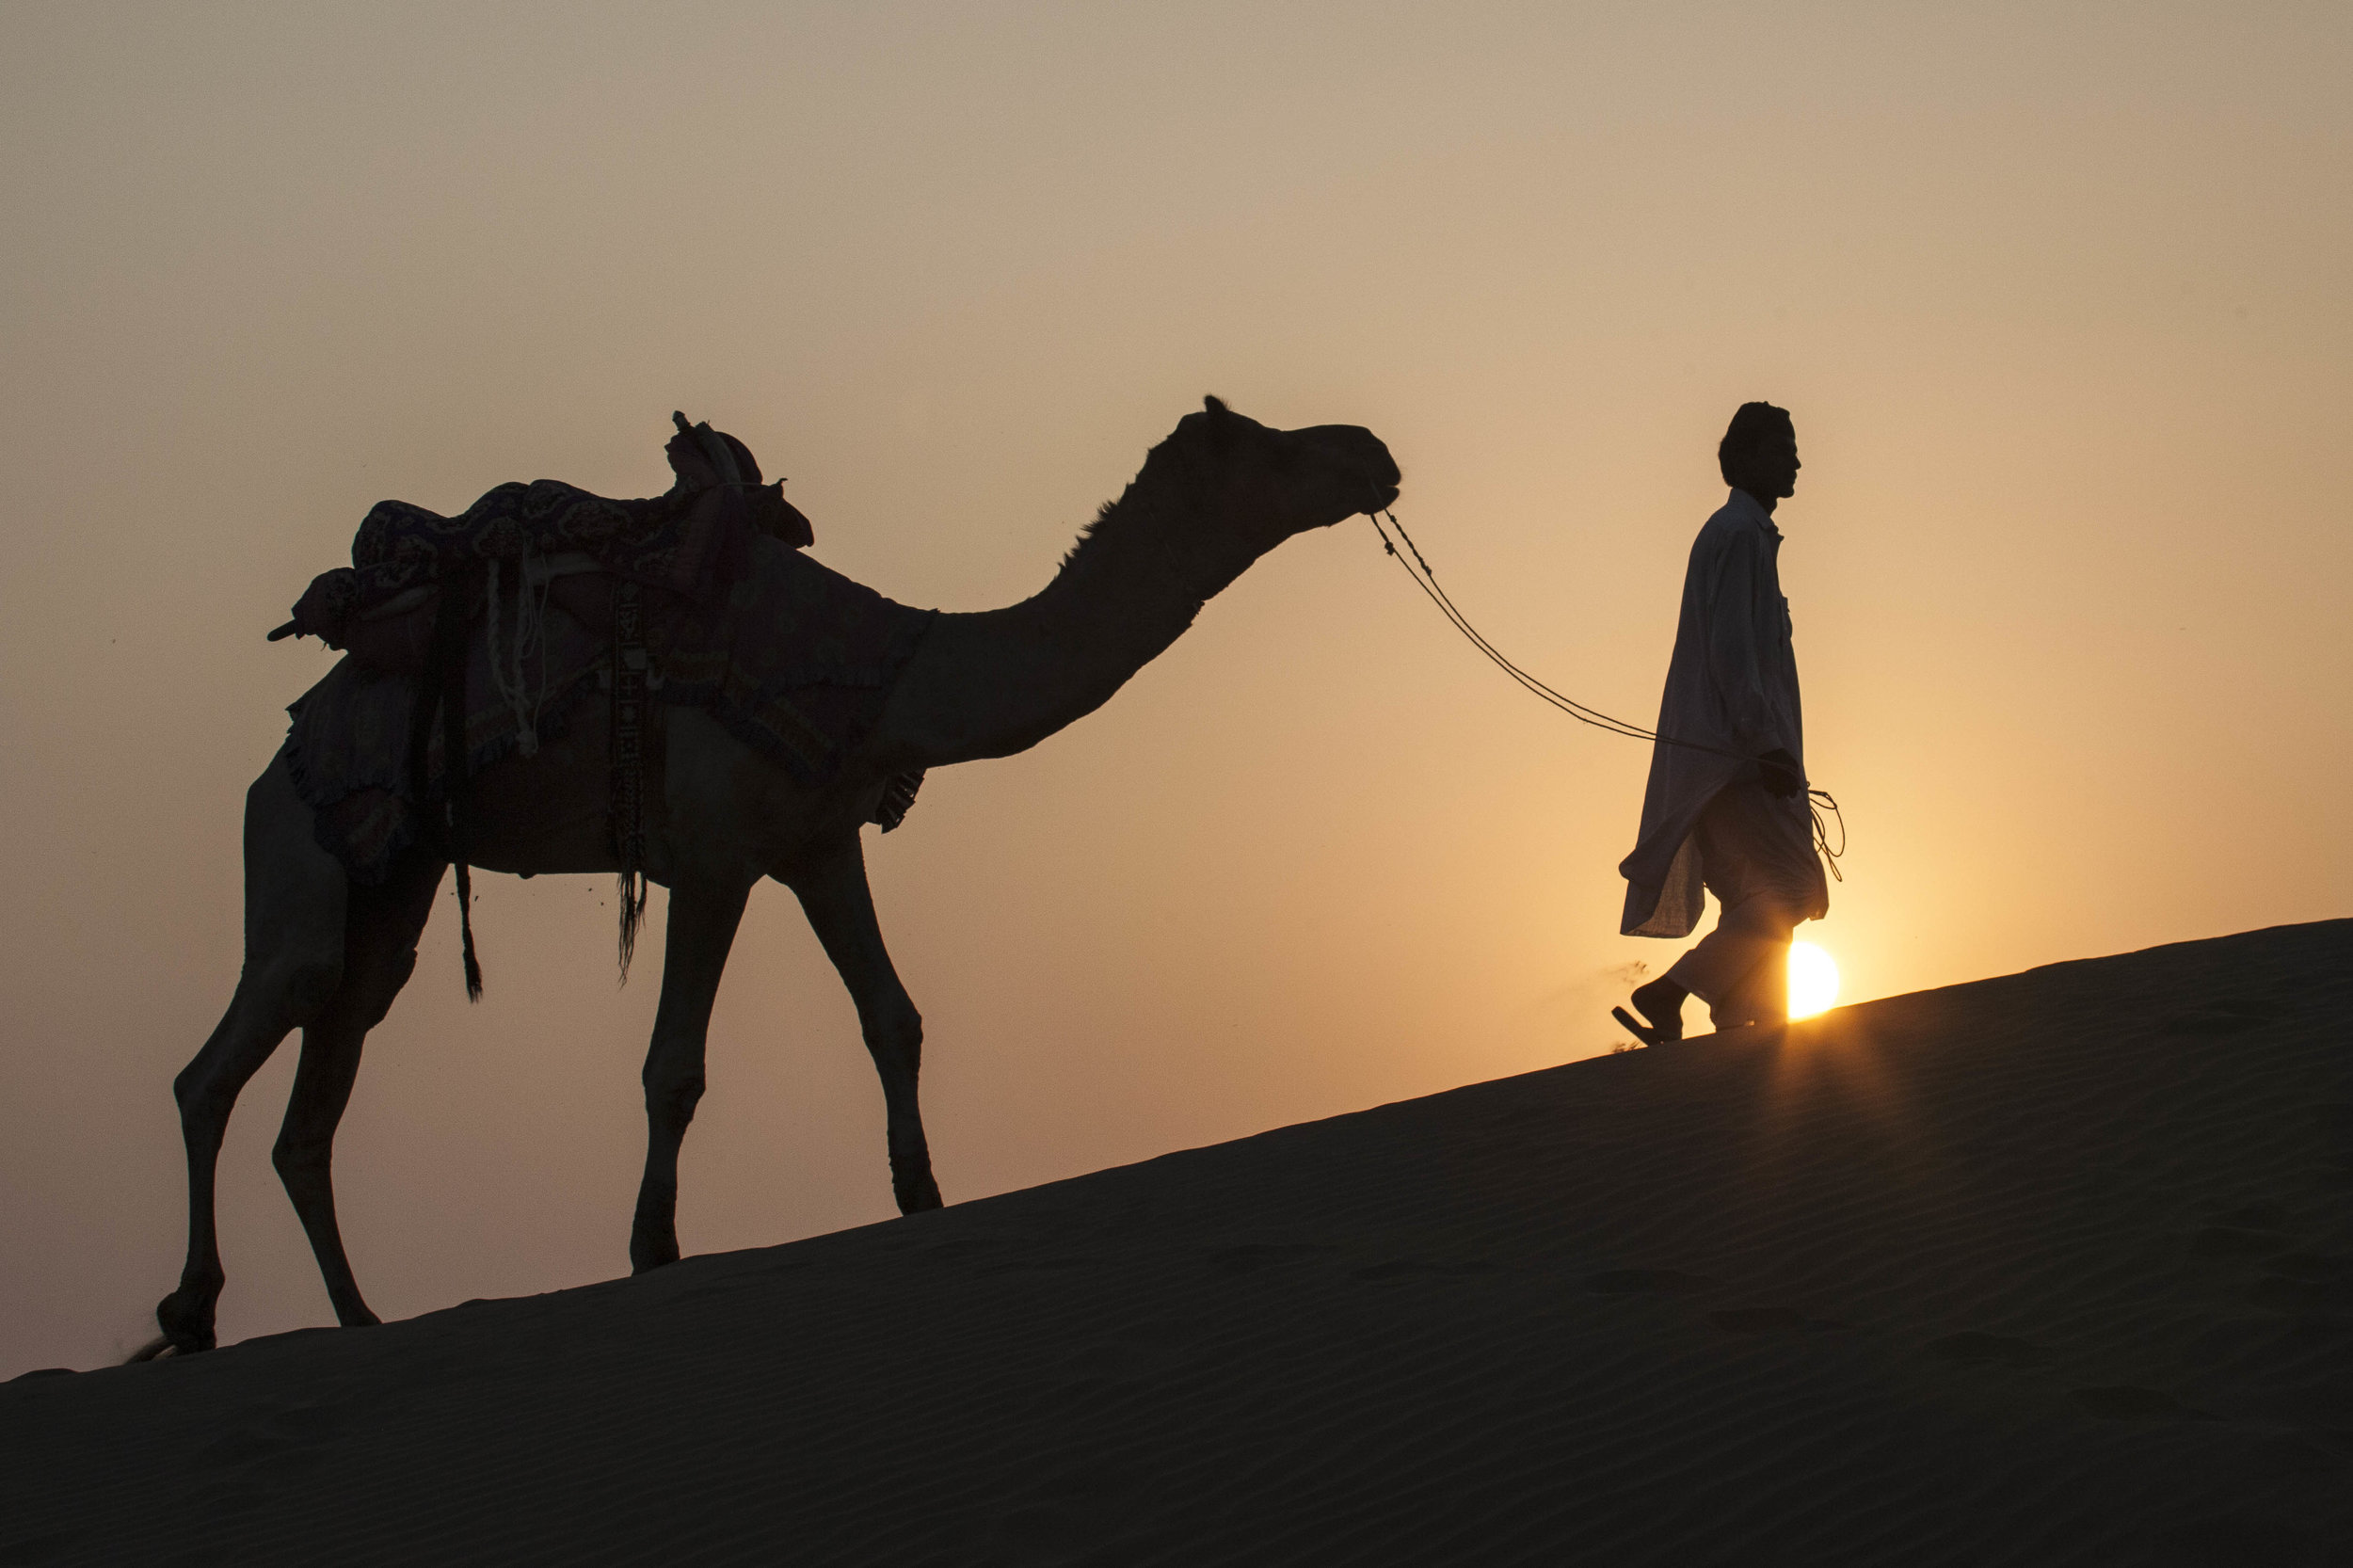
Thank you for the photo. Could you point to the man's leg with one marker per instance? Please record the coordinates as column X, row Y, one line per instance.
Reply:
column 1740, row 968
column 1660, row 1002
column 1756, row 854
column 1726, row 839
column 1760, row 995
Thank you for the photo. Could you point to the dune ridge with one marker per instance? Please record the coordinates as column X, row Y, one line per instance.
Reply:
column 2051, row 1268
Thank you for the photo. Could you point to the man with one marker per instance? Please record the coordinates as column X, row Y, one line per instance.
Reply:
column 1728, row 810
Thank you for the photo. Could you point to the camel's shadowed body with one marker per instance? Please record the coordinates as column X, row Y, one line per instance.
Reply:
column 327, row 956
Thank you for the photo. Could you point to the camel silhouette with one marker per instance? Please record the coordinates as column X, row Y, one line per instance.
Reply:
column 327, row 956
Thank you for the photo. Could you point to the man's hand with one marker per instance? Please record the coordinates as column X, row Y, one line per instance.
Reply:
column 1782, row 779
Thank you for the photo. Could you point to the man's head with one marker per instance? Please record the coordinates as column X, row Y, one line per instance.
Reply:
column 1759, row 453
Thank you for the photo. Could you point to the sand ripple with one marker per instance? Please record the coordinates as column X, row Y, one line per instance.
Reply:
column 2054, row 1269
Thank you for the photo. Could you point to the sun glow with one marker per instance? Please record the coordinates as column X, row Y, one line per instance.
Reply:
column 1812, row 980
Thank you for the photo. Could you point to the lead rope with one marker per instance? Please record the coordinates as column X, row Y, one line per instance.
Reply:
column 1418, row 569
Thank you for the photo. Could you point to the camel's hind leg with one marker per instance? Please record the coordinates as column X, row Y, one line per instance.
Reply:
column 703, row 915
column 841, row 909
column 295, row 898
column 381, row 927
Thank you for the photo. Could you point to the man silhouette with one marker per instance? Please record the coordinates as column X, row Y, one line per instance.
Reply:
column 1733, row 817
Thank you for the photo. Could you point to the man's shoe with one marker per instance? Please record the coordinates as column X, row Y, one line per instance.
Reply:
column 1644, row 1032
column 1660, row 1002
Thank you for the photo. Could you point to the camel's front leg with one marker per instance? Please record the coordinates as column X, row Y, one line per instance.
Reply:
column 703, row 916
column 841, row 909
column 381, row 928
column 295, row 898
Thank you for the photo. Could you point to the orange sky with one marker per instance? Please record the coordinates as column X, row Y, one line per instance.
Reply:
column 2058, row 301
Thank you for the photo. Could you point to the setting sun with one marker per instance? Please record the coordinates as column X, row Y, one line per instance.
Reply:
column 1812, row 980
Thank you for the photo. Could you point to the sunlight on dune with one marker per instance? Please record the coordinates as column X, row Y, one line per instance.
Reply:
column 1812, row 980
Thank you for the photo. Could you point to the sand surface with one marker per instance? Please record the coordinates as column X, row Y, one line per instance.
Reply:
column 2054, row 1268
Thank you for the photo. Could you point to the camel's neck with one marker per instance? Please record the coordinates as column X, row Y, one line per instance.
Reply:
column 999, row 682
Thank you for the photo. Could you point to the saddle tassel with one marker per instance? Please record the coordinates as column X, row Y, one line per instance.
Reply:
column 443, row 686
column 627, row 810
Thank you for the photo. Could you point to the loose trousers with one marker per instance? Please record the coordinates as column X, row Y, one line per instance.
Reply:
column 1756, row 856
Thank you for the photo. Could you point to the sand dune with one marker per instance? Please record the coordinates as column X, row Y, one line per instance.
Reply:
column 2054, row 1268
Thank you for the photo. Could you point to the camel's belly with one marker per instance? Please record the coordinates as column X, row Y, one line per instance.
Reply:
column 548, row 814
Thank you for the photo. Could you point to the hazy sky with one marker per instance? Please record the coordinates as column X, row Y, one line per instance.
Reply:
column 2058, row 296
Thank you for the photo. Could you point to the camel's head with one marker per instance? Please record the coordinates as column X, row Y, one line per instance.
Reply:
column 1268, row 485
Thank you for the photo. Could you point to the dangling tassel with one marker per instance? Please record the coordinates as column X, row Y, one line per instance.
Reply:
column 627, row 815
column 449, row 654
column 632, row 891
column 465, row 933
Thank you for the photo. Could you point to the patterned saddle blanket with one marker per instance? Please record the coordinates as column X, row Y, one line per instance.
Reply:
column 693, row 542
column 793, row 658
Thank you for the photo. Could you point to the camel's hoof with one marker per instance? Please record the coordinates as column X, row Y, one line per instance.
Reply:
column 186, row 1330
column 915, row 1197
column 645, row 1256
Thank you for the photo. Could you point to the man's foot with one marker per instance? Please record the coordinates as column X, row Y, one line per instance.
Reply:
column 1641, row 1031
column 1660, row 1002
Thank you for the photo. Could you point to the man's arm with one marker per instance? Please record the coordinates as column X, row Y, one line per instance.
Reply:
column 1735, row 652
column 1741, row 616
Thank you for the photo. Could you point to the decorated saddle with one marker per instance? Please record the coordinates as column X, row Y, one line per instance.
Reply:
column 481, row 635
column 796, row 663
column 691, row 540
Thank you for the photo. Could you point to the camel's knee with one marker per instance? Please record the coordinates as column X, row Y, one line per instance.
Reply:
column 205, row 1100
column 671, row 1097
column 203, row 1107
column 301, row 1159
column 894, row 1037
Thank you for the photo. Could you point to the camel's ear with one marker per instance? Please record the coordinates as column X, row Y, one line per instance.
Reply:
column 1223, row 422
column 1216, row 425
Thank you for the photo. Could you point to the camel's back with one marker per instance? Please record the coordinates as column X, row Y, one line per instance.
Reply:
column 796, row 661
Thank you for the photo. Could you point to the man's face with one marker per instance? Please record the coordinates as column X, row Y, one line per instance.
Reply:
column 1772, row 465
column 1771, row 469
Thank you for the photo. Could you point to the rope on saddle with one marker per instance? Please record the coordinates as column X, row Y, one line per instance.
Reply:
column 507, row 678
column 443, row 686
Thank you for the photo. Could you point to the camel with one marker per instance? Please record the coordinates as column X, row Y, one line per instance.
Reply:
column 327, row 956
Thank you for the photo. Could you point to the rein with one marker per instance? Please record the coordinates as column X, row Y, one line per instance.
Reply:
column 1418, row 569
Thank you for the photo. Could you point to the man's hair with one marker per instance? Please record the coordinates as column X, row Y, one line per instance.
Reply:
column 1750, row 422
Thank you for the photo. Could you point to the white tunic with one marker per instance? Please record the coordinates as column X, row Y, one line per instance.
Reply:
column 1732, row 685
